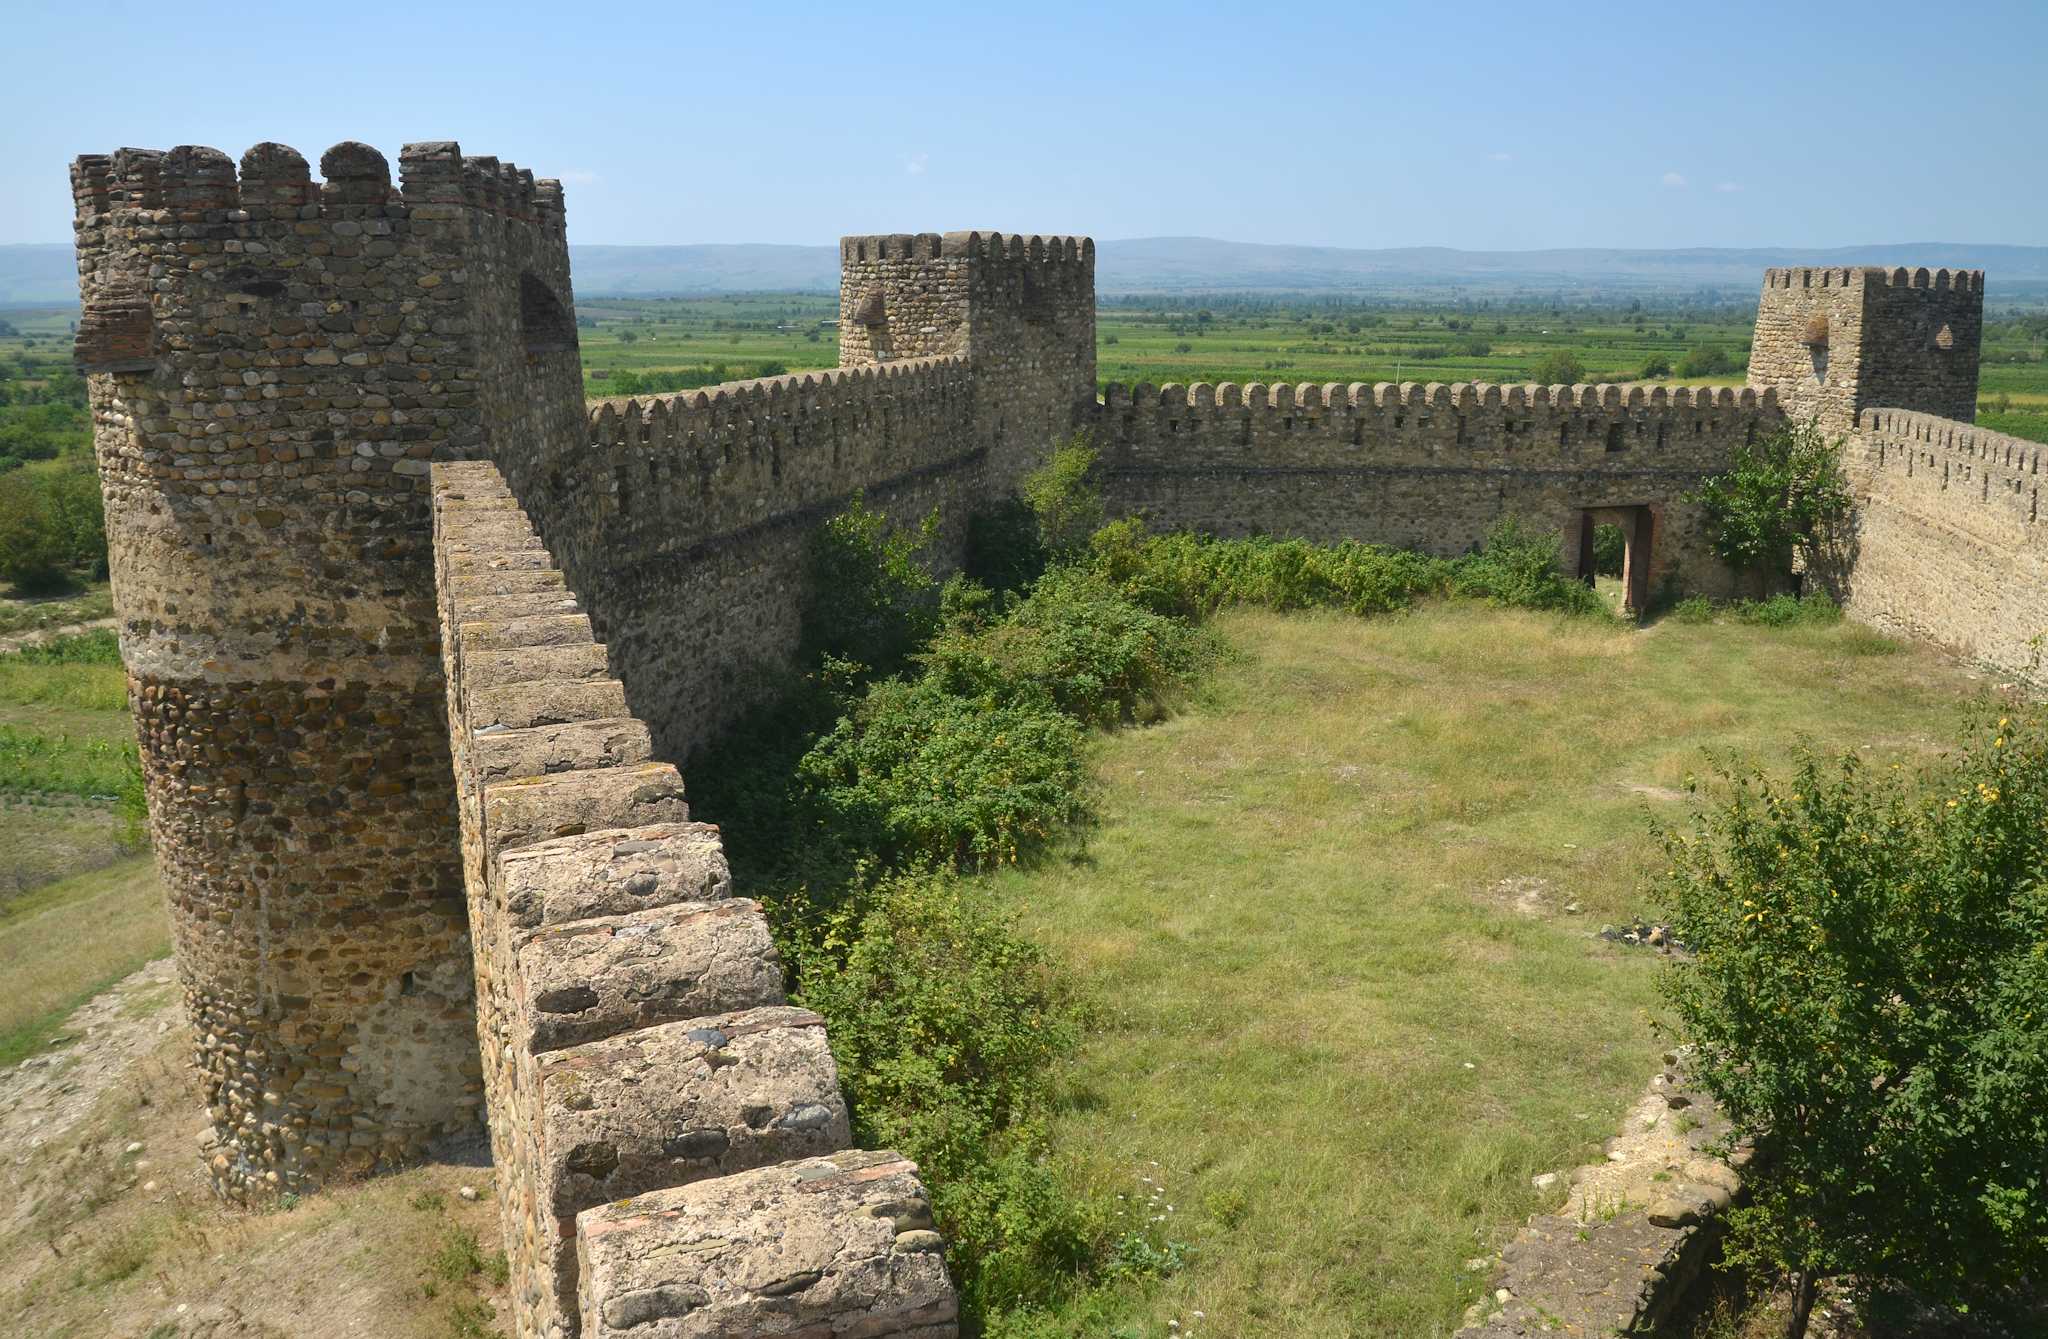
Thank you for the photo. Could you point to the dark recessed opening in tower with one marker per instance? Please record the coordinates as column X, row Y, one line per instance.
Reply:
column 545, row 325
column 1615, row 441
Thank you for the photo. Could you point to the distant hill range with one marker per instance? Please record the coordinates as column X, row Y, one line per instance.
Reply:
column 44, row 274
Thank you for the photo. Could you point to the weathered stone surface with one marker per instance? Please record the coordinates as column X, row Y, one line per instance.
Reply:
column 826, row 1246
column 666, row 1105
column 566, row 803
column 519, row 706
column 596, row 978
column 612, row 872
column 504, row 755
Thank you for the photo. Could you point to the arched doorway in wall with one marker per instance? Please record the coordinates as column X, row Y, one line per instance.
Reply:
column 1638, row 527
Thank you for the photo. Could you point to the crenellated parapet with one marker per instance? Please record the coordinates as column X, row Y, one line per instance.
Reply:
column 639, row 1048
column 1994, row 470
column 1286, row 424
column 1835, row 341
column 1429, row 466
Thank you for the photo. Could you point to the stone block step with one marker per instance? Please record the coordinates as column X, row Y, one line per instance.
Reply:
column 596, row 978
column 832, row 1246
column 612, row 872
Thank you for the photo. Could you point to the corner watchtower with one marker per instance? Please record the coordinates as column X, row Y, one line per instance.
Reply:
column 274, row 362
column 1020, row 309
column 1837, row 341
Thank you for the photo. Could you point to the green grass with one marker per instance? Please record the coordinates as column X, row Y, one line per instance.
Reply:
column 65, row 942
column 1327, row 1033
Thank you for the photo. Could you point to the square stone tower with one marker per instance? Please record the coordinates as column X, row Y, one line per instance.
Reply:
column 1835, row 342
column 1020, row 309
column 273, row 363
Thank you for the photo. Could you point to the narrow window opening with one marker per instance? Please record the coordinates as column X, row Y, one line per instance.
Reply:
column 1615, row 441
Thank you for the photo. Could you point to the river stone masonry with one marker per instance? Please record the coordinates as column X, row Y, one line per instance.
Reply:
column 416, row 641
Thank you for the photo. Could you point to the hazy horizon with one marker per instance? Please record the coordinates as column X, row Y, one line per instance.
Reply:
column 1393, row 126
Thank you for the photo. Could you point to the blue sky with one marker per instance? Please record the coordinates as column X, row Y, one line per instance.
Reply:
column 1392, row 124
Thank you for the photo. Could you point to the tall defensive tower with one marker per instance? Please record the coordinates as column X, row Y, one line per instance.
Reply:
column 1022, row 309
column 273, row 363
column 1838, row 341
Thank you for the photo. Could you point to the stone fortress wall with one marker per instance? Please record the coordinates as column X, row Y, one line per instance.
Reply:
column 1946, row 543
column 417, row 639
column 661, row 1117
column 1429, row 467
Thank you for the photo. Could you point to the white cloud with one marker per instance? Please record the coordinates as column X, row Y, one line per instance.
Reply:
column 1729, row 187
column 578, row 177
column 915, row 164
column 1503, row 157
column 1673, row 179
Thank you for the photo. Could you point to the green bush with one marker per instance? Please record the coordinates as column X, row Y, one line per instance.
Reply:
column 1518, row 568
column 1063, row 498
column 1693, row 609
column 920, row 774
column 947, row 1022
column 870, row 596
column 1657, row 365
column 51, row 525
column 1192, row 576
column 1074, row 643
column 1003, row 549
column 1706, row 361
column 1780, row 499
column 1870, row 957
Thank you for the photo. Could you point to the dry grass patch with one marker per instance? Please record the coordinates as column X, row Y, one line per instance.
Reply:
column 1323, row 1029
column 64, row 942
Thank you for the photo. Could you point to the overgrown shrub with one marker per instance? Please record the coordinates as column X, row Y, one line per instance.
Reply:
column 871, row 598
column 1192, row 576
column 1074, row 644
column 1063, row 497
column 947, row 1022
column 1779, row 500
column 1783, row 611
column 1518, row 567
column 923, row 775
column 1870, row 961
column 52, row 525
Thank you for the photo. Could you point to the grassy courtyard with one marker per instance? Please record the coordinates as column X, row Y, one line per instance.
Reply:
column 1340, row 920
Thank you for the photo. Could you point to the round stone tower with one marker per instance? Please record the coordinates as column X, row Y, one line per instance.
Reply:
column 273, row 363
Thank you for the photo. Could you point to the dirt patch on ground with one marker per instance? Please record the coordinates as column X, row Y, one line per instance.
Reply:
column 109, row 1231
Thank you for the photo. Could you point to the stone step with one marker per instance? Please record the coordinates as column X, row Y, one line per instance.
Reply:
column 485, row 668
column 838, row 1245
column 591, row 979
column 536, row 808
column 521, row 706
column 541, row 750
column 511, row 631
column 612, row 872
column 664, row 1106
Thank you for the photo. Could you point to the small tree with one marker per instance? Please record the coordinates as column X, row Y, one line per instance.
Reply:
column 1779, row 500
column 1062, row 495
column 1559, row 367
column 1866, row 993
